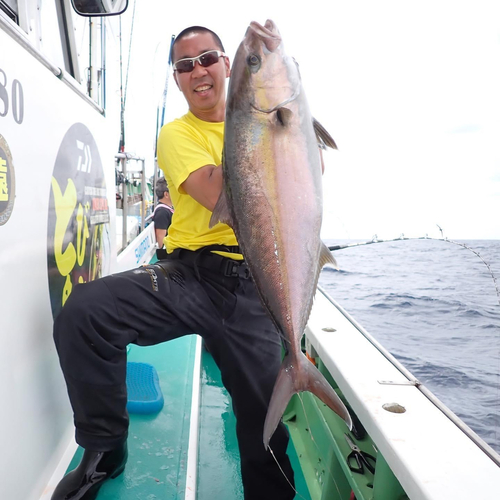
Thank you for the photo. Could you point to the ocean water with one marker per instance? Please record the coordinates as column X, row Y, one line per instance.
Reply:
column 434, row 306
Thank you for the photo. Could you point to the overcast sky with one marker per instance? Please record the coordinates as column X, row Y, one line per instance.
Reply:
column 409, row 90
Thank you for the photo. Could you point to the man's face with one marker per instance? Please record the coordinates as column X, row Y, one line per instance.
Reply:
column 203, row 88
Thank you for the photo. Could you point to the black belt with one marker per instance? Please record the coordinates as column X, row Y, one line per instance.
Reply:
column 205, row 258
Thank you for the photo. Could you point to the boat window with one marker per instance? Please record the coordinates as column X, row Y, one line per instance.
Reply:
column 91, row 56
column 53, row 34
column 10, row 8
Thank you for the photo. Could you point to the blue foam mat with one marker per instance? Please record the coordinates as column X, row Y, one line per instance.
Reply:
column 143, row 388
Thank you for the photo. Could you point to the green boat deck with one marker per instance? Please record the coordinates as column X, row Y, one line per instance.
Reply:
column 158, row 444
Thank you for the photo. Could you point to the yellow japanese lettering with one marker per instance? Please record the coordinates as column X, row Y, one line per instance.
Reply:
column 68, row 288
column 64, row 207
column 82, row 234
column 4, row 188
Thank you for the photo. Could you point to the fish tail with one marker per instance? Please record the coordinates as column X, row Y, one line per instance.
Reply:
column 283, row 390
column 298, row 375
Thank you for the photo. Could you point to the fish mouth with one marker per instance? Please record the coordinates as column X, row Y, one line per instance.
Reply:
column 268, row 34
column 271, row 39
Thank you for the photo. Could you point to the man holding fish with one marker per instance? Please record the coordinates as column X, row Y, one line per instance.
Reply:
column 240, row 305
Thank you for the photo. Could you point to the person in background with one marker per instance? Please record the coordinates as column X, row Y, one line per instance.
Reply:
column 203, row 286
column 162, row 215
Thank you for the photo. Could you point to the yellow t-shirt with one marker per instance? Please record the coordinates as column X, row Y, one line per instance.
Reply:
column 184, row 146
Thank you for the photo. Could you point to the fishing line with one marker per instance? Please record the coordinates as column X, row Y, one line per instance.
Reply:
column 299, row 395
column 475, row 252
column 283, row 472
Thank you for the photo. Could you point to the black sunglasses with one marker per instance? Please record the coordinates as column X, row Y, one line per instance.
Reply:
column 206, row 59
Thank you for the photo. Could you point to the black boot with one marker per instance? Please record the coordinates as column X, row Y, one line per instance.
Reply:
column 96, row 467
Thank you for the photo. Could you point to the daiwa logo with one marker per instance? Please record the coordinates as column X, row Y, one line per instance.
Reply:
column 154, row 278
column 85, row 160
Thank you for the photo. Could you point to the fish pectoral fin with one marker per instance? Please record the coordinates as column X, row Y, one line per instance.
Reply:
column 326, row 257
column 322, row 135
column 221, row 211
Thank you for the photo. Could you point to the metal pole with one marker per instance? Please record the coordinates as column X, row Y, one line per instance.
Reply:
column 124, row 203
column 155, row 180
column 143, row 194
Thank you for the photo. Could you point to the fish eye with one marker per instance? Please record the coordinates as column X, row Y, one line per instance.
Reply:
column 254, row 62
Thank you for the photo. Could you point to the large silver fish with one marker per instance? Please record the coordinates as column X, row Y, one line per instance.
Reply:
column 272, row 198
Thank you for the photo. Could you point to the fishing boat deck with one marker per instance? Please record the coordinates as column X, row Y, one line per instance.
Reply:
column 410, row 464
column 158, row 444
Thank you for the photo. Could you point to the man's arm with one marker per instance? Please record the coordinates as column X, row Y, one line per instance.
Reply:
column 161, row 220
column 160, row 235
column 205, row 185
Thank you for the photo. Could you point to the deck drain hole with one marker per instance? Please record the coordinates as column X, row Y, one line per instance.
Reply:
column 394, row 407
column 329, row 329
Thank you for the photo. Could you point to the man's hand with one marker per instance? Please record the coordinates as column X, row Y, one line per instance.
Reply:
column 205, row 185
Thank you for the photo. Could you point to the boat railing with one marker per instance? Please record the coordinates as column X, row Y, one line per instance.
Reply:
column 488, row 450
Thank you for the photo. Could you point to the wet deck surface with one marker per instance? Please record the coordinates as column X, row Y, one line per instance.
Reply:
column 219, row 459
column 158, row 444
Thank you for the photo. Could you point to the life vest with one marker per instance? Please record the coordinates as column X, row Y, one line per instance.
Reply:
column 162, row 205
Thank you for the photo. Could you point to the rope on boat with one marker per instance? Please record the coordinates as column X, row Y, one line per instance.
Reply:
column 445, row 239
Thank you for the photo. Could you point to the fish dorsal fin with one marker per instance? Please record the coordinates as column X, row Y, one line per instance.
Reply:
column 322, row 135
column 221, row 211
column 283, row 116
column 326, row 257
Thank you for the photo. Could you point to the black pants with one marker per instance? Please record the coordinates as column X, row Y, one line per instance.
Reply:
column 160, row 302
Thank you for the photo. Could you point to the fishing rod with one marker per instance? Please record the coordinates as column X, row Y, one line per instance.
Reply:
column 402, row 237
column 167, row 79
column 160, row 122
column 123, row 92
column 375, row 240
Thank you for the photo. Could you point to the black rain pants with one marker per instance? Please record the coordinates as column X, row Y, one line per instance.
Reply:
column 211, row 296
